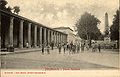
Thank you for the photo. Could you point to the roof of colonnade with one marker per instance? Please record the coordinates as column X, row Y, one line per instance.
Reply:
column 31, row 21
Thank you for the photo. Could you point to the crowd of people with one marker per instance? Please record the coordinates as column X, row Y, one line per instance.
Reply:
column 70, row 48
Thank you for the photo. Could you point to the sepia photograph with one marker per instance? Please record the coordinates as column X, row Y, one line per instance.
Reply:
column 59, row 35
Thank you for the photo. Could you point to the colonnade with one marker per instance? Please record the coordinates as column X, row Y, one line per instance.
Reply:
column 16, row 31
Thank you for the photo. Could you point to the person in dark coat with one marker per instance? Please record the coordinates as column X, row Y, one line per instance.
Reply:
column 73, row 49
column 42, row 48
column 52, row 45
column 64, row 47
column 82, row 47
column 78, row 48
column 99, row 47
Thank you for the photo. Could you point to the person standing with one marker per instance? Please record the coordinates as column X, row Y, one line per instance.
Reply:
column 82, row 47
column 67, row 46
column 42, row 48
column 59, row 47
column 93, row 47
column 96, row 47
column 27, row 45
column 52, row 45
column 99, row 47
column 71, row 46
column 73, row 49
column 64, row 47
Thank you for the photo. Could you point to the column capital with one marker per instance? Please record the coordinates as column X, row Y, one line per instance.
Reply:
column 29, row 23
column 36, row 25
column 41, row 27
column 21, row 20
column 12, row 18
column 44, row 28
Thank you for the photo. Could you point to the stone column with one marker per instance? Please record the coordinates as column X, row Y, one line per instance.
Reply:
column 35, row 36
column 61, row 38
column 40, row 36
column 11, row 32
column 51, row 36
column 57, row 38
column 66, row 38
column 48, row 36
column 29, row 35
column 0, row 31
column 45, row 36
column 54, row 37
column 21, row 34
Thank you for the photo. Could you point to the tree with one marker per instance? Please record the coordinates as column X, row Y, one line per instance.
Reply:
column 87, row 27
column 114, row 29
column 3, row 4
column 9, row 9
column 16, row 9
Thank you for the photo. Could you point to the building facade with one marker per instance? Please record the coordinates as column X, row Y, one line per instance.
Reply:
column 17, row 31
column 71, row 36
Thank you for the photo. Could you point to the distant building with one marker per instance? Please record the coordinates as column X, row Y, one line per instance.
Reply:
column 71, row 36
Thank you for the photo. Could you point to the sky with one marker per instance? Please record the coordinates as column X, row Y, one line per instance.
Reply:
column 57, row 13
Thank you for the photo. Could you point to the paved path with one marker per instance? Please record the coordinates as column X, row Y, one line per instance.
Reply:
column 84, row 60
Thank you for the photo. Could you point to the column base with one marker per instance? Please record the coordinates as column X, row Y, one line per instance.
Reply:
column 21, row 46
column 29, row 46
column 35, row 46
